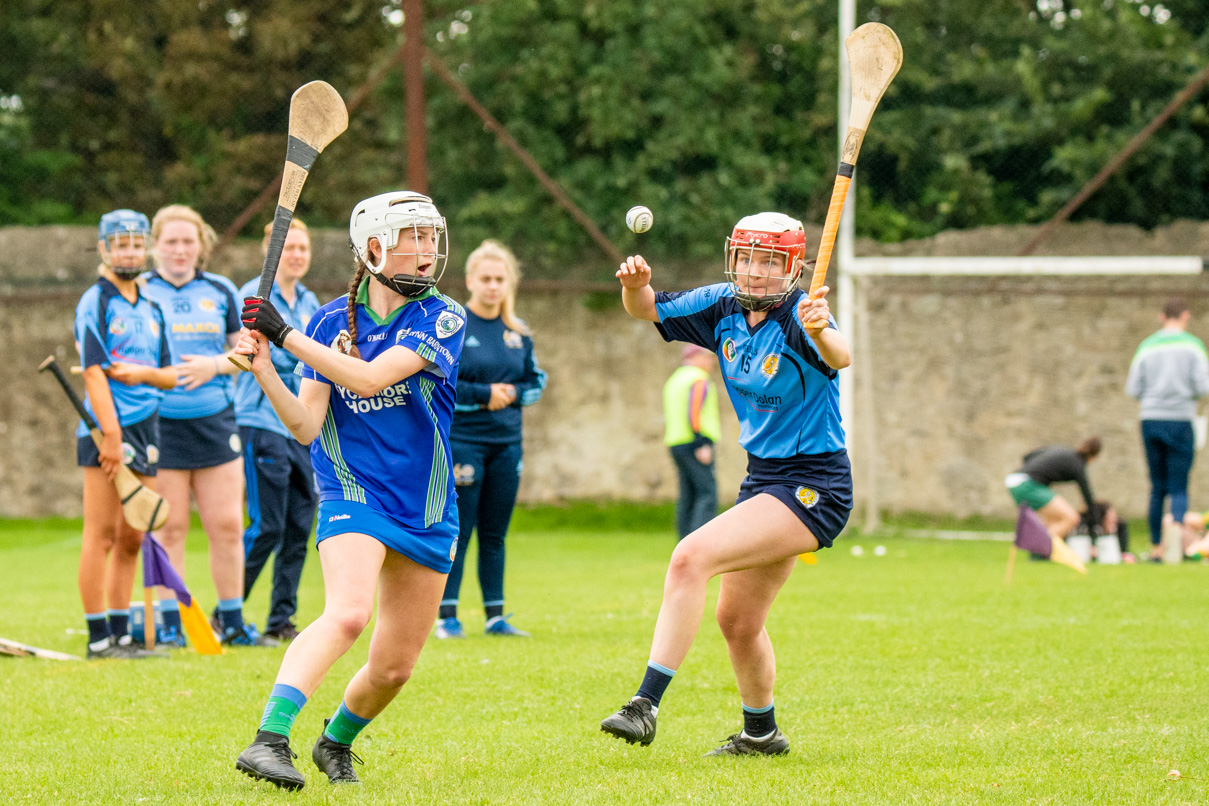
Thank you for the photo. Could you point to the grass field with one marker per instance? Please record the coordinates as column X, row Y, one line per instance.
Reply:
column 916, row 677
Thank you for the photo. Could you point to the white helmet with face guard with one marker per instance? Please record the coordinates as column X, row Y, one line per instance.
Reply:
column 750, row 249
column 389, row 216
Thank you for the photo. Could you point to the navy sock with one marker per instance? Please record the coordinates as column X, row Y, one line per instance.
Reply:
column 170, row 612
column 119, row 623
column 655, row 682
column 759, row 722
column 494, row 610
column 449, row 609
column 230, row 614
column 98, row 627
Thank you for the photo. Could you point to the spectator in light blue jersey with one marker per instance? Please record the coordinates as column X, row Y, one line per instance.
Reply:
column 379, row 374
column 119, row 334
column 780, row 354
column 498, row 376
column 200, row 447
column 277, row 468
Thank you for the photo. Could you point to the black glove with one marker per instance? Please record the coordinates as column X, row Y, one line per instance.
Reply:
column 260, row 315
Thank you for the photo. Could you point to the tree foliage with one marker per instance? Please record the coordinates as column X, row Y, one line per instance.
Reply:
column 705, row 110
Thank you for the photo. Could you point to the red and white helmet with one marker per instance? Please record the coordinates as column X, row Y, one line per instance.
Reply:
column 756, row 286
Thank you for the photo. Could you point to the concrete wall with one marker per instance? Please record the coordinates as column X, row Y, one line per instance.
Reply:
column 967, row 373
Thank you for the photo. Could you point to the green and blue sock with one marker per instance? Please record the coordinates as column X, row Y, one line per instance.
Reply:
column 282, row 709
column 344, row 725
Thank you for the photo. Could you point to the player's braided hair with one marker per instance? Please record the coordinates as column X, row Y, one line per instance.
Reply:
column 353, row 285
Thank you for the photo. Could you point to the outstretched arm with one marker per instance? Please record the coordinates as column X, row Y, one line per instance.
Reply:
column 636, row 293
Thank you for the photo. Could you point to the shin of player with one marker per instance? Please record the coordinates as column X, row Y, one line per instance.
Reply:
column 780, row 354
column 121, row 339
column 375, row 404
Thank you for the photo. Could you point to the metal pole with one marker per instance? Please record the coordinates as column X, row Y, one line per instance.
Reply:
column 413, row 91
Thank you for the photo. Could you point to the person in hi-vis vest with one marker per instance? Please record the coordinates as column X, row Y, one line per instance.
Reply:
column 690, row 411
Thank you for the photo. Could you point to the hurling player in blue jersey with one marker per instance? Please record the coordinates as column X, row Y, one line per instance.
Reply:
column 277, row 467
column 199, row 440
column 779, row 353
column 498, row 375
column 379, row 375
column 123, row 349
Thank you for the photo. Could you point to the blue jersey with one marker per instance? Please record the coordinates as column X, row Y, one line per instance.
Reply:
column 391, row 451
column 252, row 407
column 787, row 398
column 494, row 353
column 109, row 329
column 200, row 315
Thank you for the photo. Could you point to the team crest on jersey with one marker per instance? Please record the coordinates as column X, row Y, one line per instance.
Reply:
column 127, row 453
column 206, row 305
column 770, row 365
column 513, row 339
column 117, row 326
column 806, row 497
column 448, row 324
column 342, row 343
column 463, row 475
column 728, row 349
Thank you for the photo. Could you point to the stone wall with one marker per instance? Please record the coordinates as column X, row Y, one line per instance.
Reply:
column 967, row 373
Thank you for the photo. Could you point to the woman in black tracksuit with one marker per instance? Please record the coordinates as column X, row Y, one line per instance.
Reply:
column 498, row 376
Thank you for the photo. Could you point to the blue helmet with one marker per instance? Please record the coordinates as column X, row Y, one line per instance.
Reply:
column 123, row 222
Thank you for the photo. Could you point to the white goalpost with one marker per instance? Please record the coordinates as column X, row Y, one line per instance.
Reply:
column 854, row 275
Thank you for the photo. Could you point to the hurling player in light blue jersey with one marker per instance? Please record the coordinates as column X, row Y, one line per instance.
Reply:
column 779, row 352
column 199, row 440
column 277, row 467
column 379, row 376
column 120, row 336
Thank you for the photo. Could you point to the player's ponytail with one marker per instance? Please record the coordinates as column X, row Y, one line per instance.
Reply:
column 354, row 285
column 495, row 250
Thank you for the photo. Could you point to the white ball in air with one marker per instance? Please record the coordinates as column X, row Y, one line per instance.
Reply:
column 639, row 219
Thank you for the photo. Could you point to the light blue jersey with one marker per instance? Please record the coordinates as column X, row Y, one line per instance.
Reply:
column 199, row 315
column 391, row 451
column 252, row 407
column 109, row 329
column 786, row 396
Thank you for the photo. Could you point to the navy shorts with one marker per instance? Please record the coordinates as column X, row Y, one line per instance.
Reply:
column 140, row 447
column 817, row 488
column 199, row 442
column 433, row 547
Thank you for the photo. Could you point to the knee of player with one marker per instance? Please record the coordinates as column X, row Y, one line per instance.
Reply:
column 350, row 620
column 390, row 674
column 738, row 627
column 688, row 562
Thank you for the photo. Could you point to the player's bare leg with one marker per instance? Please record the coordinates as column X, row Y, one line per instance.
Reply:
column 743, row 604
column 754, row 533
column 759, row 531
column 408, row 599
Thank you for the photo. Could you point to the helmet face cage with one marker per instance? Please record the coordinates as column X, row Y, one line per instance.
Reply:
column 123, row 235
column 760, row 283
column 395, row 220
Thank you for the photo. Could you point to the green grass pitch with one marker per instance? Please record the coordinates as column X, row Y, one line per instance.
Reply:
column 916, row 677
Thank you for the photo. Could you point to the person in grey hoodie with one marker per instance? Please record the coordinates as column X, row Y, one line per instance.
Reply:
column 1168, row 375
